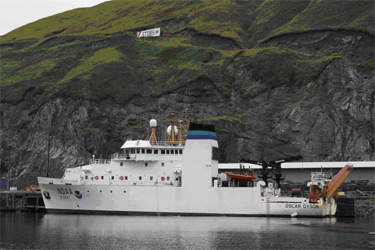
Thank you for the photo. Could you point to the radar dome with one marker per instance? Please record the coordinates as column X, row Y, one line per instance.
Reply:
column 170, row 128
column 153, row 123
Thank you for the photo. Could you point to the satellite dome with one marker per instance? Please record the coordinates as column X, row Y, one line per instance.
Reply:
column 170, row 128
column 153, row 123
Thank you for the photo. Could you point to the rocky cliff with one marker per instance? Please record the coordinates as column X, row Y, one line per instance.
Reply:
column 277, row 78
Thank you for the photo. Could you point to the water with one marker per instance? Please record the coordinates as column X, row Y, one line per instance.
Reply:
column 63, row 231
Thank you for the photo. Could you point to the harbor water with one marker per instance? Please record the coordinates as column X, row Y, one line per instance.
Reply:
column 72, row 231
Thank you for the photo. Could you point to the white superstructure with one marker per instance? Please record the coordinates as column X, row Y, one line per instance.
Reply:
column 174, row 177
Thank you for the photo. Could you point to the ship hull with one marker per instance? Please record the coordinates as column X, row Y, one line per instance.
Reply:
column 171, row 200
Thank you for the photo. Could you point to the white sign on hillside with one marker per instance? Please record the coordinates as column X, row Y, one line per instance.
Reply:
column 149, row 33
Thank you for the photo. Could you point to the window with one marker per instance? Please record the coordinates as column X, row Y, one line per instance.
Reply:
column 138, row 151
column 121, row 163
column 168, row 178
column 162, row 164
column 162, row 151
column 146, row 164
column 151, row 178
column 102, row 177
column 180, row 151
column 172, row 151
column 156, row 152
column 112, row 177
column 132, row 151
column 167, row 152
column 127, row 151
column 176, row 151
column 140, row 178
column 86, row 177
column 149, row 151
column 143, row 150
column 215, row 153
column 126, row 178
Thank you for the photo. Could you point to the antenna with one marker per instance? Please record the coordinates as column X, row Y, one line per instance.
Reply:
column 153, row 124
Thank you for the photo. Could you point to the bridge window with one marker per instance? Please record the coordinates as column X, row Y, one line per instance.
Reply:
column 167, row 152
column 156, row 152
column 149, row 151
column 162, row 151
column 143, row 150
column 180, row 151
column 102, row 177
column 176, row 151
column 132, row 151
column 172, row 152
column 140, row 178
column 138, row 151
column 168, row 178
column 126, row 178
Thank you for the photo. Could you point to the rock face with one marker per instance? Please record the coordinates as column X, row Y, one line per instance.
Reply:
column 309, row 93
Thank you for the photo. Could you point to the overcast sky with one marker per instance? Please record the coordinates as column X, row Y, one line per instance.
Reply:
column 16, row 13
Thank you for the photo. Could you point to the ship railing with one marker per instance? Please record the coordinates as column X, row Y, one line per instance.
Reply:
column 58, row 181
column 168, row 143
column 100, row 161
column 117, row 156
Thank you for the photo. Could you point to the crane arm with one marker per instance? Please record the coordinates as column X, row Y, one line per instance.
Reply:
column 331, row 187
column 251, row 161
column 293, row 158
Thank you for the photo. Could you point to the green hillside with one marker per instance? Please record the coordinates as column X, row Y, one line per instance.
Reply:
column 94, row 52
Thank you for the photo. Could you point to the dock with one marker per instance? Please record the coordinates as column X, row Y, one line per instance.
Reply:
column 27, row 201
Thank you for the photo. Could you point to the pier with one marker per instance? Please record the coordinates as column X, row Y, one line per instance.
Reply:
column 27, row 201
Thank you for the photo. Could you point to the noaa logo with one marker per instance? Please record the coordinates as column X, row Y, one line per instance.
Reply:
column 78, row 194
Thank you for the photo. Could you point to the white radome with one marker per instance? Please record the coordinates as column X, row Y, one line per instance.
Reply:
column 170, row 128
column 153, row 123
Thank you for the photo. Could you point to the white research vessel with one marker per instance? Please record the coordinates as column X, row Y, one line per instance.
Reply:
column 179, row 176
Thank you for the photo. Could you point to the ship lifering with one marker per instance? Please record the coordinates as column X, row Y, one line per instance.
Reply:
column 96, row 177
column 121, row 177
column 162, row 178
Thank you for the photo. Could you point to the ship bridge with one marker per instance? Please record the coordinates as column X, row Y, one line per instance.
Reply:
column 142, row 150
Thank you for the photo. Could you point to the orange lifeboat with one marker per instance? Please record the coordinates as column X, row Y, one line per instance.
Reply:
column 240, row 177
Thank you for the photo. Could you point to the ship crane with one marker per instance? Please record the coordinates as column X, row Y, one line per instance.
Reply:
column 328, row 190
column 273, row 167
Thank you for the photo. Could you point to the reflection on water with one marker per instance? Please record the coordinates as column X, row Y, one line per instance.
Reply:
column 62, row 231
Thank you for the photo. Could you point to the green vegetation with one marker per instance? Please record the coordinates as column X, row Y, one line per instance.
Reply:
column 93, row 52
column 87, row 64
column 227, row 116
column 334, row 15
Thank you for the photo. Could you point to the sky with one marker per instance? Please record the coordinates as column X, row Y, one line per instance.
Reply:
column 16, row 13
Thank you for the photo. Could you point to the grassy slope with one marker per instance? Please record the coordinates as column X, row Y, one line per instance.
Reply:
column 93, row 52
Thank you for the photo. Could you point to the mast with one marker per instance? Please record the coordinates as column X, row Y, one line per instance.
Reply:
column 153, row 124
column 172, row 130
